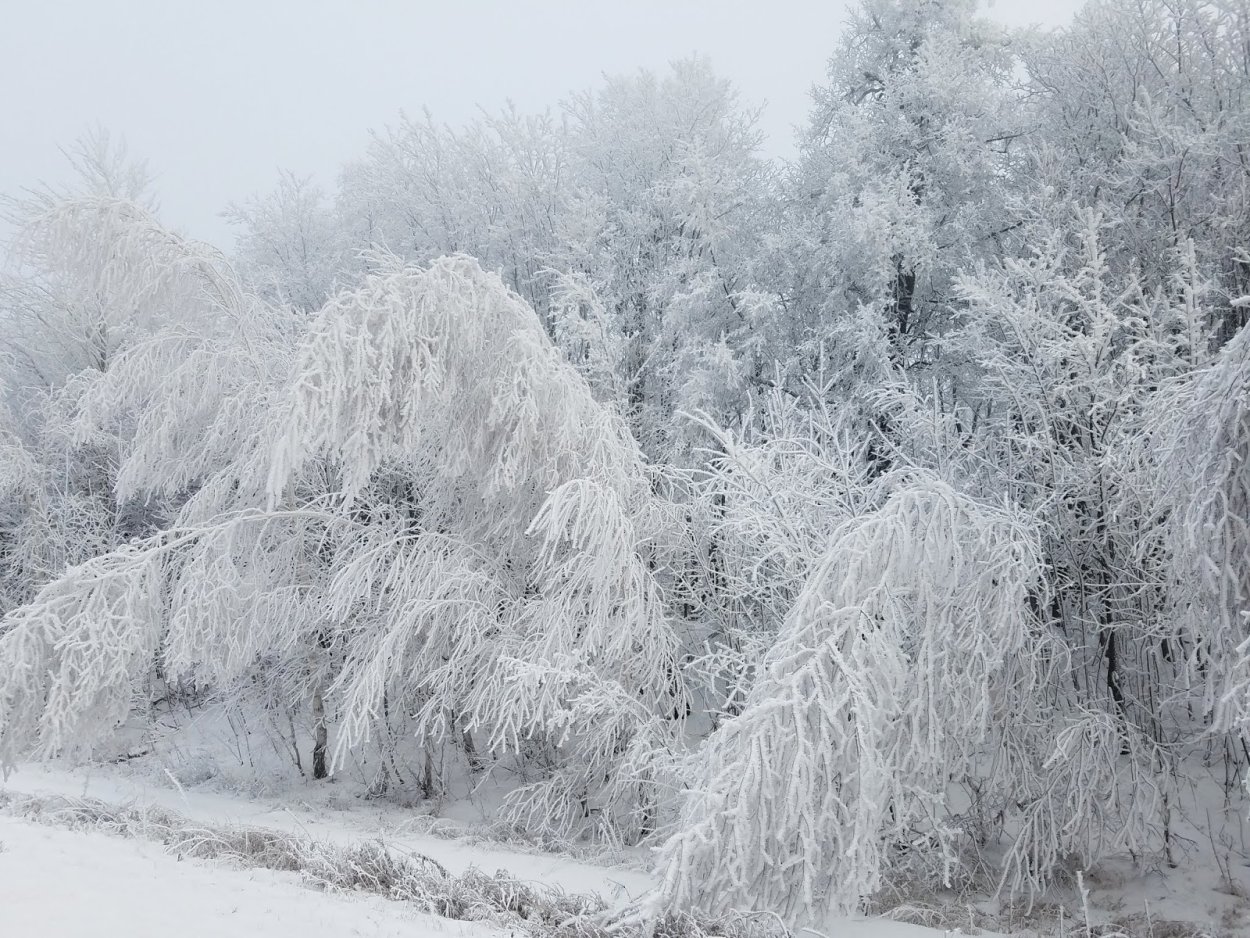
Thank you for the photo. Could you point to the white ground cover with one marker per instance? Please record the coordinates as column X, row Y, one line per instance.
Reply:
column 57, row 883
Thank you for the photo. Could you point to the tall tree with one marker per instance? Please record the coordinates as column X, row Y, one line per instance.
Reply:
column 903, row 178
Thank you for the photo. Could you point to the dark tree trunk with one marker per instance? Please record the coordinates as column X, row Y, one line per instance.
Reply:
column 320, row 735
column 470, row 751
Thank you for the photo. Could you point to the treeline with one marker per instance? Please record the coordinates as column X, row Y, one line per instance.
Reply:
column 879, row 517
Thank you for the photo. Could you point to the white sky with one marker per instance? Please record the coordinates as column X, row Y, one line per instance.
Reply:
column 218, row 95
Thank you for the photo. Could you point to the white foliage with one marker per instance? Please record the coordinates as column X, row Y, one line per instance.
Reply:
column 904, row 655
column 457, row 532
column 905, row 484
column 528, row 496
column 1200, row 438
column 762, row 515
column 446, row 367
column 103, row 274
column 74, row 657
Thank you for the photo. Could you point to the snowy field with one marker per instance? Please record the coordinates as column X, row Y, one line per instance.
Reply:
column 59, row 883
column 67, row 884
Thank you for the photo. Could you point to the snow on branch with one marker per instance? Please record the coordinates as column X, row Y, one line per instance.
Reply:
column 70, row 659
column 445, row 367
column 1199, row 435
column 113, row 247
column 200, row 602
column 900, row 659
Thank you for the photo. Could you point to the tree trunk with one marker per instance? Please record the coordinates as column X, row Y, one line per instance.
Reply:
column 320, row 734
column 427, row 779
column 470, row 752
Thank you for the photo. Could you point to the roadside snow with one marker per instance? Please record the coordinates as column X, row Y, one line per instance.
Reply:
column 70, row 884
column 364, row 821
column 56, row 883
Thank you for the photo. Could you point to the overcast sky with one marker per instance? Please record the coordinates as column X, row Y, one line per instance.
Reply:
column 218, row 95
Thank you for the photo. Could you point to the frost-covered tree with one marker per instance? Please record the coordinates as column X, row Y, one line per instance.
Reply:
column 1059, row 358
column 383, row 530
column 904, row 177
column 89, row 276
column 1198, row 438
column 631, row 221
column 761, row 513
column 910, row 648
column 151, row 333
column 872, row 523
column 498, row 189
column 1063, row 356
column 289, row 249
column 670, row 168
column 1143, row 108
column 528, row 487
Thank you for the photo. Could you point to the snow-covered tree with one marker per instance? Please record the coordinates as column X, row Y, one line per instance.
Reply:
column 904, row 177
column 645, row 198
column 761, row 514
column 90, row 276
column 876, row 522
column 1198, row 438
column 391, row 532
column 910, row 648
column 289, row 249
column 669, row 168
column 515, row 476
column 1143, row 108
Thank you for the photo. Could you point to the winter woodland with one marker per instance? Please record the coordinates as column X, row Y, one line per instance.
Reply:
column 870, row 524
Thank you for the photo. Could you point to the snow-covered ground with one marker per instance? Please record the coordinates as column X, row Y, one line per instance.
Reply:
column 57, row 883
column 320, row 820
column 73, row 884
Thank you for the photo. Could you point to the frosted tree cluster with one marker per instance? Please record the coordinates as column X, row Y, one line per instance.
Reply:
column 903, row 653
column 869, row 522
